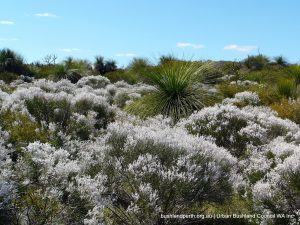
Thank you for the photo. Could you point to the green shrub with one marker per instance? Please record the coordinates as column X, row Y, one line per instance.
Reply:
column 138, row 67
column 50, row 111
column 267, row 94
column 79, row 129
column 164, row 59
column 12, row 62
column 231, row 67
column 280, row 60
column 82, row 66
column 269, row 75
column 8, row 77
column 103, row 115
column 122, row 74
column 121, row 98
column 288, row 109
column 295, row 72
column 229, row 90
column 287, row 88
column 176, row 94
column 60, row 72
column 256, row 62
column 104, row 66
column 210, row 73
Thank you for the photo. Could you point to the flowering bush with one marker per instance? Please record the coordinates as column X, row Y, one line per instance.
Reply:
column 69, row 154
column 153, row 168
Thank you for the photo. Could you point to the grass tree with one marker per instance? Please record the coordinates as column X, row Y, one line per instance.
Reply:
column 177, row 93
column 104, row 66
column 280, row 60
column 12, row 62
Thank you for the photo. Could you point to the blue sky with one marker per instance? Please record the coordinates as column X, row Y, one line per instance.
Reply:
column 122, row 29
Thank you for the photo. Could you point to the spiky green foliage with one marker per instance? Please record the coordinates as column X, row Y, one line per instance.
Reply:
column 12, row 62
column 138, row 64
column 295, row 72
column 83, row 66
column 256, row 62
column 280, row 60
column 177, row 94
column 60, row 72
column 104, row 66
column 110, row 65
column 287, row 88
column 164, row 59
column 99, row 64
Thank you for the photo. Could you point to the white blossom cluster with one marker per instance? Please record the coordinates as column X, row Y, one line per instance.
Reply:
column 246, row 97
column 243, row 82
column 266, row 145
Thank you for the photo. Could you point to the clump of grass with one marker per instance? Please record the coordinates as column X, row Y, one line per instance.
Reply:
column 176, row 94
column 121, row 74
column 287, row 88
column 228, row 90
column 295, row 72
column 267, row 94
column 256, row 62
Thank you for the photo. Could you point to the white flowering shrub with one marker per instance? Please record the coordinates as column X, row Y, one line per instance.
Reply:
column 7, row 188
column 126, row 93
column 69, row 154
column 93, row 81
column 243, row 98
column 278, row 191
column 236, row 128
column 153, row 168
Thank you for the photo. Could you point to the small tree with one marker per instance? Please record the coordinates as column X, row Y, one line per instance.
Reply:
column 103, row 67
column 12, row 62
column 110, row 66
column 99, row 65
column 50, row 59
column 280, row 60
column 256, row 62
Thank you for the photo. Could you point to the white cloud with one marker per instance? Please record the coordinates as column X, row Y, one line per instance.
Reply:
column 240, row 48
column 69, row 50
column 8, row 39
column 46, row 14
column 184, row 45
column 7, row 22
column 126, row 54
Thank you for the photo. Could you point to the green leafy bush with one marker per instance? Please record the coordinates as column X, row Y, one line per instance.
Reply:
column 8, row 77
column 229, row 90
column 102, row 66
column 12, row 62
column 50, row 111
column 295, row 72
column 121, row 74
column 256, row 62
column 280, row 60
column 288, row 109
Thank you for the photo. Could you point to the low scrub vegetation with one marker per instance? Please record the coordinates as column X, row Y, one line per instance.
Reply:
column 83, row 144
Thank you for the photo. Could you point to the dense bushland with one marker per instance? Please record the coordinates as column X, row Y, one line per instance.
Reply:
column 125, row 146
